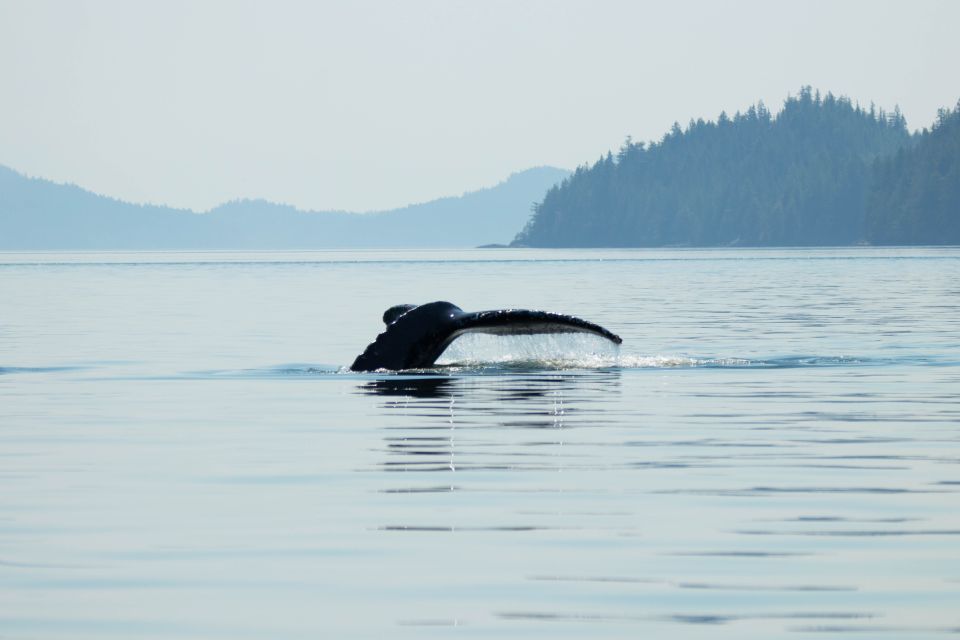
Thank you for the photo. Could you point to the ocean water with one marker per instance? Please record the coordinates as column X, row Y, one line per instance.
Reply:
column 774, row 451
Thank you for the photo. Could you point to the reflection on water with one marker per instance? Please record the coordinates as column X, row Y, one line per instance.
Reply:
column 751, row 499
column 410, row 387
column 460, row 416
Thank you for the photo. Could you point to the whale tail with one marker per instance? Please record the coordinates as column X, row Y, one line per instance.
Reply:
column 417, row 335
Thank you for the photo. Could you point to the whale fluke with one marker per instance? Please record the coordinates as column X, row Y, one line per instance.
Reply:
column 417, row 335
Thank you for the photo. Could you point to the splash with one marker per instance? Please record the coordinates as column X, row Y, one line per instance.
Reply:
column 583, row 351
column 789, row 362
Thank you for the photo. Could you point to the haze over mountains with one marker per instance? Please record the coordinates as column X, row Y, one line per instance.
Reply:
column 822, row 171
column 37, row 214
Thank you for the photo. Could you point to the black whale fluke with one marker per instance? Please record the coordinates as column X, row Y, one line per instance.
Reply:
column 416, row 335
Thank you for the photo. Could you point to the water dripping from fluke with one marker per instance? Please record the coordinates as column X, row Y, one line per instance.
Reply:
column 529, row 352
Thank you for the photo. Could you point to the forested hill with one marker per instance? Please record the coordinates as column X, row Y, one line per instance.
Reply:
column 800, row 177
column 915, row 198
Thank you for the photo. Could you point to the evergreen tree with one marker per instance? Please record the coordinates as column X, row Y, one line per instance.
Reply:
column 915, row 194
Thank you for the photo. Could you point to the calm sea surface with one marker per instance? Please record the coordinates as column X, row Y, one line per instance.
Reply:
column 773, row 452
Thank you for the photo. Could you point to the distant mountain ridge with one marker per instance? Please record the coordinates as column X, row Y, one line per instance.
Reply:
column 37, row 214
column 821, row 172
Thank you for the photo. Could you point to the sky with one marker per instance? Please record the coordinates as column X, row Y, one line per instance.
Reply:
column 370, row 104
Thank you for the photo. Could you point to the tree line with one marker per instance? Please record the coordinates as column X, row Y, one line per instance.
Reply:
column 822, row 171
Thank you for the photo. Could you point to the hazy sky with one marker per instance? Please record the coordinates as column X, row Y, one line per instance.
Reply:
column 374, row 104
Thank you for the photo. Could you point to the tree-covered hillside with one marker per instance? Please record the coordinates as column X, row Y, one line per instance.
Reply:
column 799, row 177
column 915, row 198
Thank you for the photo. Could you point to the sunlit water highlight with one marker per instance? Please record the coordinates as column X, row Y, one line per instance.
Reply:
column 773, row 452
